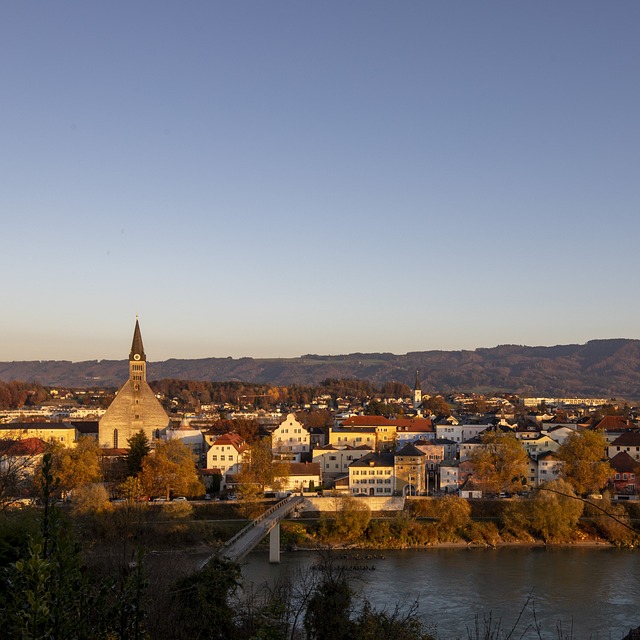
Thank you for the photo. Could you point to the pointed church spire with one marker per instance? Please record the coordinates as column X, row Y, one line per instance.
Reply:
column 417, row 385
column 137, row 349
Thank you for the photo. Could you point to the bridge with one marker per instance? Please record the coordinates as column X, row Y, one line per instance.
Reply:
column 268, row 523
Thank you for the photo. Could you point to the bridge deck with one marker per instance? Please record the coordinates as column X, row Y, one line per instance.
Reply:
column 248, row 538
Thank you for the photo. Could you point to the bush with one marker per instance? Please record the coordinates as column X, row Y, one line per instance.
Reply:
column 90, row 499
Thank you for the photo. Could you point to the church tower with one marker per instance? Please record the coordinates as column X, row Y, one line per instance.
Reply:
column 417, row 393
column 135, row 408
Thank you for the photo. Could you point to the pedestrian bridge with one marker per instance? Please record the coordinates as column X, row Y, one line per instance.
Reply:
column 268, row 523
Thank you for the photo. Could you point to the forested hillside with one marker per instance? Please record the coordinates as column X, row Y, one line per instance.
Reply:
column 600, row 368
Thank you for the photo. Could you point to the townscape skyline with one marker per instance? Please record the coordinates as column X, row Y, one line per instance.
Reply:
column 273, row 180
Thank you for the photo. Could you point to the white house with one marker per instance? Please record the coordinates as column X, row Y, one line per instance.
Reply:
column 226, row 454
column 336, row 460
column 290, row 440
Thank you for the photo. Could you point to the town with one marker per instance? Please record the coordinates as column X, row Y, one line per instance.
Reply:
column 383, row 446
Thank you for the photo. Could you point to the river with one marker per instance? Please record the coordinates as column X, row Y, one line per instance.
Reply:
column 593, row 593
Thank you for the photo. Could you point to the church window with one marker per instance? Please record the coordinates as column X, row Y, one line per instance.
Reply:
column 115, row 438
column 137, row 416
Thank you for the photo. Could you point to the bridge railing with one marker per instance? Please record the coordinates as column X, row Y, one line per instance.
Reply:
column 257, row 521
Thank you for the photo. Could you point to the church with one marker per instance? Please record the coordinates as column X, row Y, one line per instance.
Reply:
column 135, row 408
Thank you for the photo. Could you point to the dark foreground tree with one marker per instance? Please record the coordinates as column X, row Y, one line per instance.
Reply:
column 139, row 449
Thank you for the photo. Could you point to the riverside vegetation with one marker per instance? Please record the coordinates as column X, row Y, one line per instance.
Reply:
column 107, row 571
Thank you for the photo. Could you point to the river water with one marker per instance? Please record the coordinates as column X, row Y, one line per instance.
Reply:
column 593, row 593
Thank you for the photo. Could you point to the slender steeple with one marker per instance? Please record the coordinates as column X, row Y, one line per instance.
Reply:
column 417, row 393
column 137, row 349
column 137, row 358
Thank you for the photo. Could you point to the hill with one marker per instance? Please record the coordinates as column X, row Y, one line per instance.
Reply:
column 599, row 368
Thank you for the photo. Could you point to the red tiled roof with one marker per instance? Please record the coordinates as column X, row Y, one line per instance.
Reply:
column 627, row 439
column 304, row 469
column 408, row 424
column 24, row 447
column 232, row 439
column 623, row 463
column 614, row 423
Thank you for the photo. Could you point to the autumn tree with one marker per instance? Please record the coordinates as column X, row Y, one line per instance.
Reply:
column 171, row 467
column 260, row 471
column 585, row 465
column 351, row 519
column 437, row 405
column 75, row 467
column 453, row 514
column 555, row 511
column 500, row 463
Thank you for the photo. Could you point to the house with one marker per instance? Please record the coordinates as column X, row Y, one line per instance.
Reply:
column 413, row 430
column 532, row 472
column 449, row 476
column 290, row 440
column 342, row 437
column 19, row 459
column 528, row 430
column 628, row 442
column 334, row 461
column 384, row 429
column 410, row 470
column 549, row 467
column 460, row 432
column 535, row 446
column 63, row 433
column 435, row 452
column 559, row 432
column 469, row 446
column 626, row 470
column 227, row 454
column 614, row 426
column 372, row 475
column 188, row 435
column 303, row 476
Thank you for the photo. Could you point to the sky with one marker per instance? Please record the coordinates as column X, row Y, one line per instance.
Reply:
column 272, row 179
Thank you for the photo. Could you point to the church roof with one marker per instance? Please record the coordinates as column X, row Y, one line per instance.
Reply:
column 136, row 344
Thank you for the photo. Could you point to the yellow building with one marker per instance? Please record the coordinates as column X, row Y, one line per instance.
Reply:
column 61, row 432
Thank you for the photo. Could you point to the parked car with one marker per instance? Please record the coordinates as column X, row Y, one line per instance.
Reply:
column 180, row 499
column 161, row 499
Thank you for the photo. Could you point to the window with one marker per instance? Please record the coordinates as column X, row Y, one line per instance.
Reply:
column 222, row 458
column 214, row 458
column 115, row 438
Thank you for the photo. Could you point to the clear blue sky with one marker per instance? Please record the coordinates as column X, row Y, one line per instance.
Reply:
column 281, row 178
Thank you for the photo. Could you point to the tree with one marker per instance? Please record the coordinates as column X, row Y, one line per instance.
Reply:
column 260, row 471
column 555, row 511
column 453, row 513
column 171, row 467
column 18, row 462
column 585, row 466
column 139, row 448
column 437, row 405
column 74, row 467
column 352, row 518
column 501, row 462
